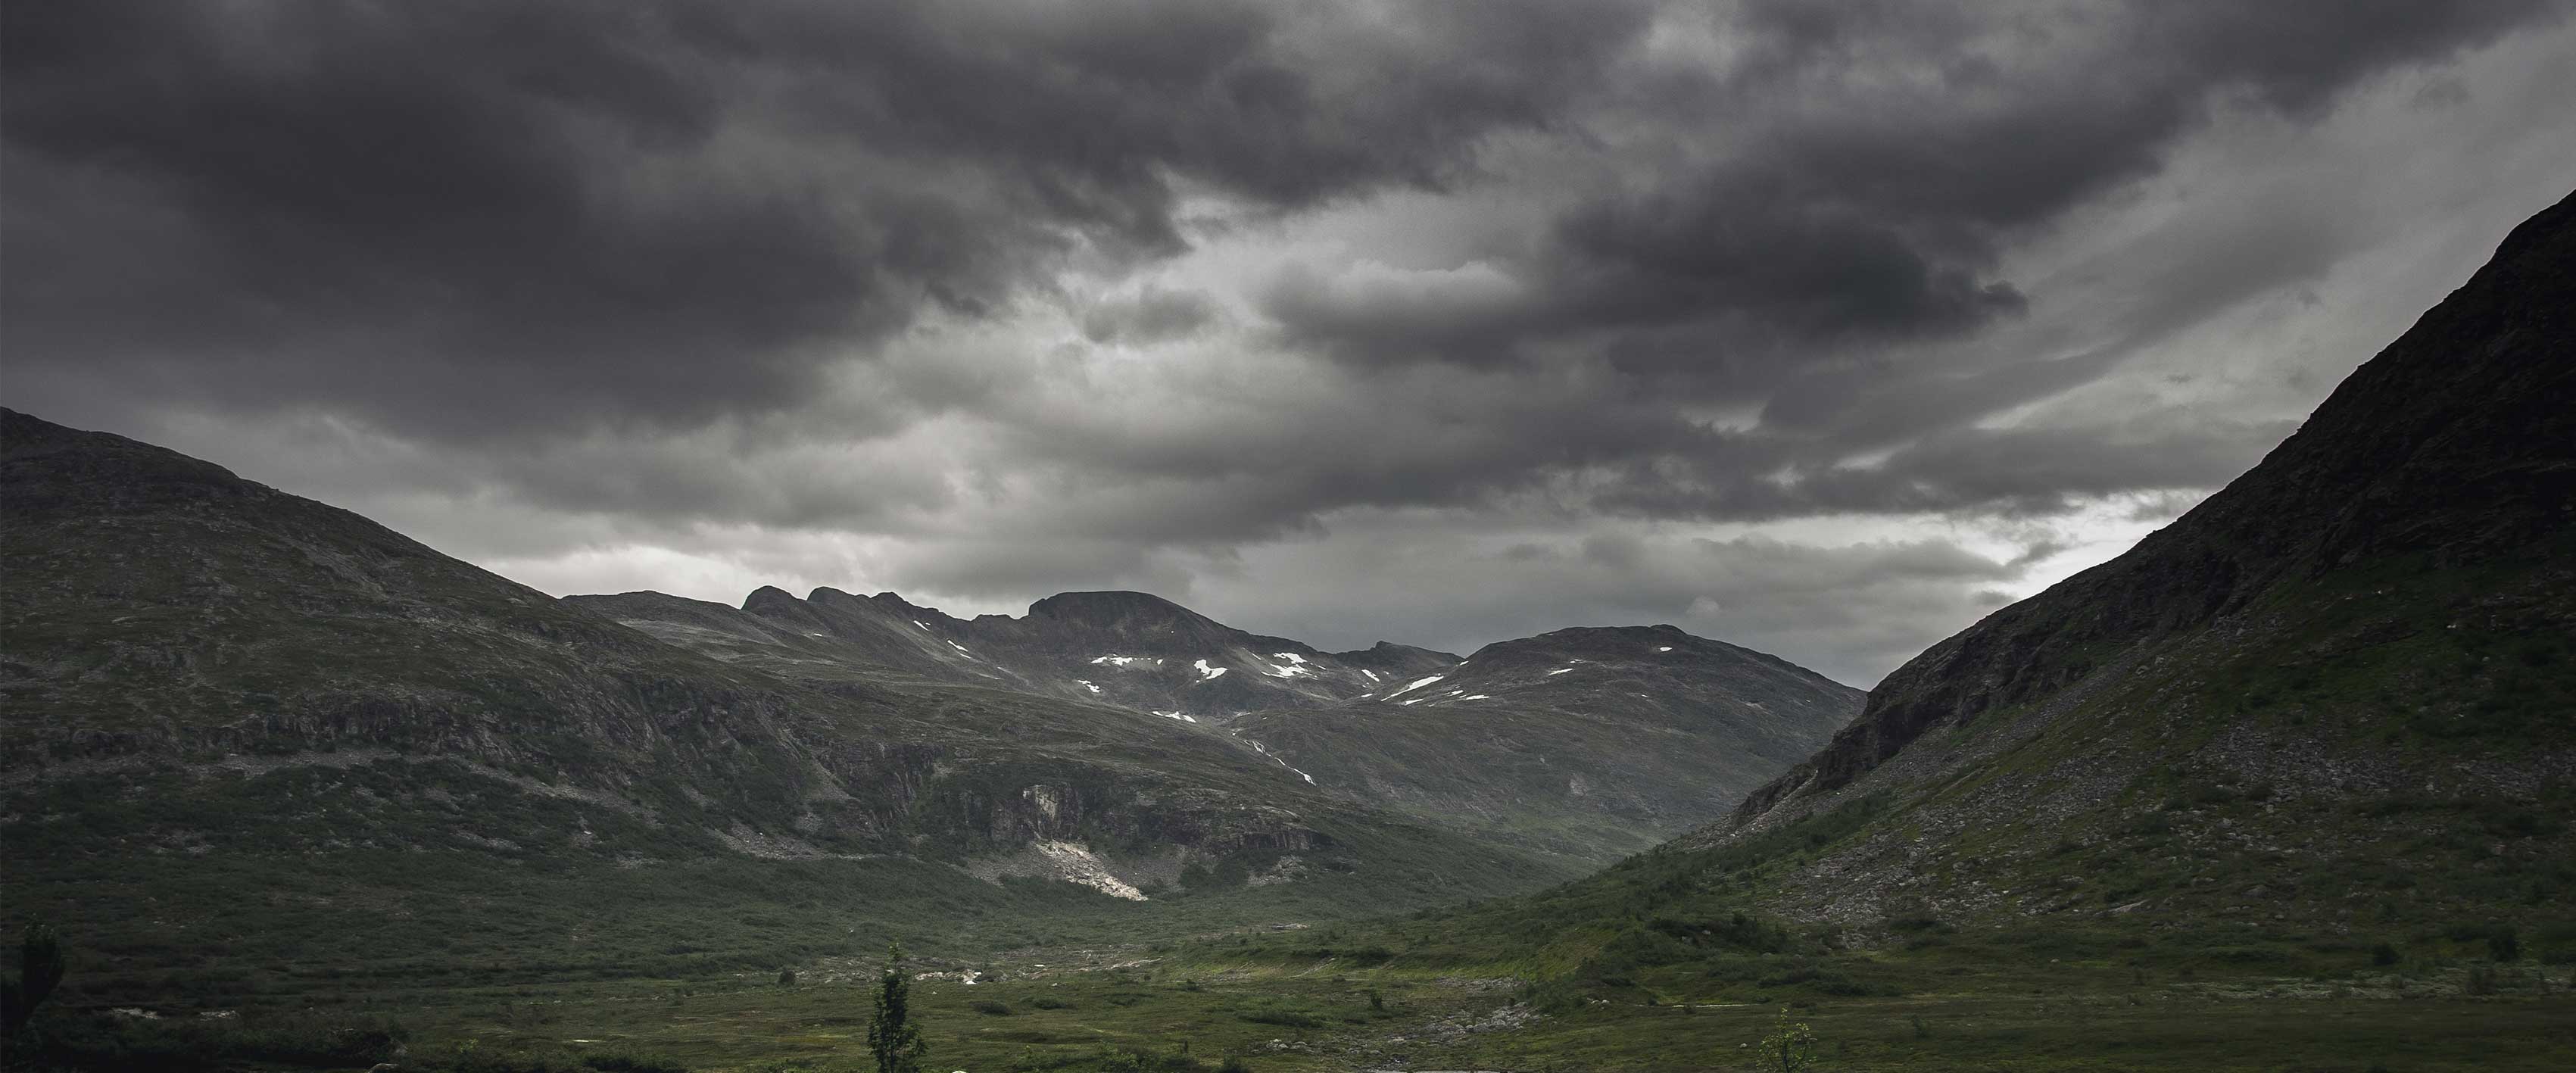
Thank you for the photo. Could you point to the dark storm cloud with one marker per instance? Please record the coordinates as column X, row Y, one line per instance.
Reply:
column 1242, row 298
column 1868, row 163
column 483, row 216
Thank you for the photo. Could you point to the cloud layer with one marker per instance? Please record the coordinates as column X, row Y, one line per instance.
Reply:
column 1821, row 327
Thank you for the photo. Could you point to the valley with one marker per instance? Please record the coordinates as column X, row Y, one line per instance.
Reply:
column 2287, row 785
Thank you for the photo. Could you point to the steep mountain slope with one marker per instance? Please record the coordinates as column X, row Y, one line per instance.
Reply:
column 1608, row 738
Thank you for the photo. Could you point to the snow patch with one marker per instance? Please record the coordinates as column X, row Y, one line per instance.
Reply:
column 1182, row 716
column 1666, row 648
column 1207, row 673
column 1417, row 684
column 917, row 622
column 1372, row 675
column 959, row 647
column 1475, row 696
column 1256, row 747
column 1117, row 661
column 1561, row 670
column 1291, row 669
column 1086, row 684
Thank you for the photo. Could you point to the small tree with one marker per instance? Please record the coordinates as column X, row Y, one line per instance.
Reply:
column 892, row 1037
column 1791, row 1044
column 786, row 977
column 40, row 967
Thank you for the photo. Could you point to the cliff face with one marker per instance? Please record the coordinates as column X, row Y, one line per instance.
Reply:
column 2453, row 448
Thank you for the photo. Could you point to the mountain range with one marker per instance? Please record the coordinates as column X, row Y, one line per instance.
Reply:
column 212, row 684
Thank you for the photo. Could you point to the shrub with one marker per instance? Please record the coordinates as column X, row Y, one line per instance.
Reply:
column 2504, row 944
column 990, row 1008
column 2383, row 954
column 1791, row 1045
column 40, row 968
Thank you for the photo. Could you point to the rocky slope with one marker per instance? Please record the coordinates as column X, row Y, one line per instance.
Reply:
column 2341, row 688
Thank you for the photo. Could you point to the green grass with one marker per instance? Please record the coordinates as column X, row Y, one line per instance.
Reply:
column 2094, row 1000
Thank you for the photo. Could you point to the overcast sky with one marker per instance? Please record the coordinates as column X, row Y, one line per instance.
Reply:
column 1823, row 328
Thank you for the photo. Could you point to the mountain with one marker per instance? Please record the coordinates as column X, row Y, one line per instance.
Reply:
column 264, row 725
column 1585, row 743
column 1599, row 737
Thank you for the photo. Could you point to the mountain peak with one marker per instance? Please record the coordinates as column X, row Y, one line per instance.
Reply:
column 1111, row 608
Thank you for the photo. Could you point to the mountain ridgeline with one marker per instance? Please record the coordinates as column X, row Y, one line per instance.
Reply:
column 321, row 727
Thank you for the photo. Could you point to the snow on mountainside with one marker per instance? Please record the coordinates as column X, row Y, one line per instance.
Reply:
column 1592, row 740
